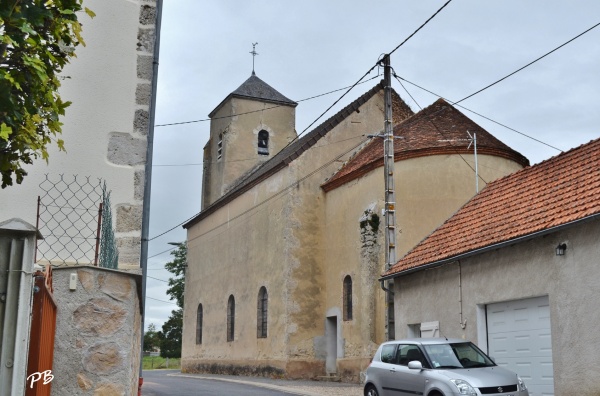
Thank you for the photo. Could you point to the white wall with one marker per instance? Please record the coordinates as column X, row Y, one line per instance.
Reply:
column 108, row 82
column 524, row 270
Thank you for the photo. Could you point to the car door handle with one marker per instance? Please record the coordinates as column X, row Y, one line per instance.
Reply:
column 393, row 370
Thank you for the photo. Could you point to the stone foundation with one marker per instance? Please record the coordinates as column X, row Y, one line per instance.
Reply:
column 256, row 368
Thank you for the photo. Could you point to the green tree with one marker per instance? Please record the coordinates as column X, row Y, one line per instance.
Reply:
column 37, row 39
column 177, row 267
column 170, row 343
column 151, row 338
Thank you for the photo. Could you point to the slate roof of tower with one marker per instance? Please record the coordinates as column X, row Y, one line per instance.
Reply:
column 537, row 200
column 295, row 149
column 437, row 129
column 255, row 88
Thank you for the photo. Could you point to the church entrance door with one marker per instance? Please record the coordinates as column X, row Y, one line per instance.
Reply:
column 332, row 341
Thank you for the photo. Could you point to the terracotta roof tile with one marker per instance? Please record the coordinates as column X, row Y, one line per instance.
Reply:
column 437, row 129
column 556, row 192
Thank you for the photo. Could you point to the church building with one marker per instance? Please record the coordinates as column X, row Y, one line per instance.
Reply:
column 285, row 257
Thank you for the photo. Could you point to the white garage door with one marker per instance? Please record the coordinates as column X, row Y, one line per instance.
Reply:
column 519, row 339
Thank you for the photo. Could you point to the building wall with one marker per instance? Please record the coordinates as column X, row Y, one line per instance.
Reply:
column 98, row 332
column 109, row 83
column 428, row 191
column 519, row 271
column 240, row 138
column 228, row 256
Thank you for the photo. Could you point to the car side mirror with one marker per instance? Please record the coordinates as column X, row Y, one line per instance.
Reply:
column 415, row 365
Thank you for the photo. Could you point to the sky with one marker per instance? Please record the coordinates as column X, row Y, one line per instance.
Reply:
column 311, row 47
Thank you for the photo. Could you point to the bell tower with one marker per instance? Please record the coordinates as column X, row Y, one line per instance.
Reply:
column 250, row 126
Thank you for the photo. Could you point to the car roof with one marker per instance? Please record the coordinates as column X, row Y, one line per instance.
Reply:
column 427, row 341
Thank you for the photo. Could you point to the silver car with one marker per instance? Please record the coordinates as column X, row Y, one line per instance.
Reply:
column 438, row 367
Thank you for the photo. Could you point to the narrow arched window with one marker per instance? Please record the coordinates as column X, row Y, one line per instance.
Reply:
column 347, row 298
column 262, row 310
column 199, row 318
column 230, row 318
column 263, row 142
column 220, row 147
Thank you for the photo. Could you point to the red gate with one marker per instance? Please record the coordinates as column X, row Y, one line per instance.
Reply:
column 41, row 340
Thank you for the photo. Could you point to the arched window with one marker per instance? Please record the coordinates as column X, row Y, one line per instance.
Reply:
column 347, row 298
column 199, row 317
column 262, row 310
column 263, row 142
column 230, row 318
column 220, row 146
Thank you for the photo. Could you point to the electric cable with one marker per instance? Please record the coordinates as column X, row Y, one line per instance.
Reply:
column 440, row 131
column 331, row 106
column 527, row 65
column 156, row 299
column 420, row 27
column 257, row 111
column 478, row 114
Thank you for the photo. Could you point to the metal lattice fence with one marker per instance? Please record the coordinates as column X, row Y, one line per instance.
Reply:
column 75, row 218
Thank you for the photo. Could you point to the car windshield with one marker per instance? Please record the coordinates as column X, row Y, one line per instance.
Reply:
column 457, row 356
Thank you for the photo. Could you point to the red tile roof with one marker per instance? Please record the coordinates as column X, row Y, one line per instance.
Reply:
column 437, row 129
column 537, row 199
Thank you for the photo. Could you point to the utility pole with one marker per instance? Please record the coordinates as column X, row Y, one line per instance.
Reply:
column 390, row 196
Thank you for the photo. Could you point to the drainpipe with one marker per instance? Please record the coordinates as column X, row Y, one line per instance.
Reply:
column 382, row 283
column 147, row 181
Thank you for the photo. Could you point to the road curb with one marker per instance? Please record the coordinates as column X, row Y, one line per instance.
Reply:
column 255, row 383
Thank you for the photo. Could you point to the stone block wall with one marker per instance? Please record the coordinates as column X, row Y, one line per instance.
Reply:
column 98, row 332
column 128, row 148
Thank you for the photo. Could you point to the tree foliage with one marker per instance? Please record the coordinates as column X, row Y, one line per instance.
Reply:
column 177, row 267
column 151, row 338
column 170, row 343
column 37, row 39
column 172, row 329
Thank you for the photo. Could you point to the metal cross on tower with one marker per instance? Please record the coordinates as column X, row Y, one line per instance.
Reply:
column 254, row 53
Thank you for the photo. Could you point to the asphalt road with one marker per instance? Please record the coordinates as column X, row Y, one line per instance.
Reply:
column 158, row 383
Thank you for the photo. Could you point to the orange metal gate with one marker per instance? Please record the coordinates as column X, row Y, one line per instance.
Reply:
column 41, row 341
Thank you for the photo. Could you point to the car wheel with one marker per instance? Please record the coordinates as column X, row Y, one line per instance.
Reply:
column 370, row 390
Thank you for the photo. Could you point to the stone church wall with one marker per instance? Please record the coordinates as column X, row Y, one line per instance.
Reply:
column 98, row 332
column 286, row 256
column 428, row 191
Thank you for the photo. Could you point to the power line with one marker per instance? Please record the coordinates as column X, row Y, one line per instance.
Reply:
column 156, row 299
column 254, row 158
column 527, row 65
column 162, row 280
column 440, row 131
column 420, row 27
column 293, row 184
column 476, row 113
column 257, row 111
column 319, row 117
column 168, row 250
column 280, row 193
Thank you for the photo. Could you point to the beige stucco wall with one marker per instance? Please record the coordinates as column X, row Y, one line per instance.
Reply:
column 279, row 245
column 105, row 128
column 428, row 191
column 523, row 270
column 240, row 141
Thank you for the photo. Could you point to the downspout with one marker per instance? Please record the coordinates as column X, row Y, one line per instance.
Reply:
column 147, row 181
column 463, row 324
column 385, row 289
